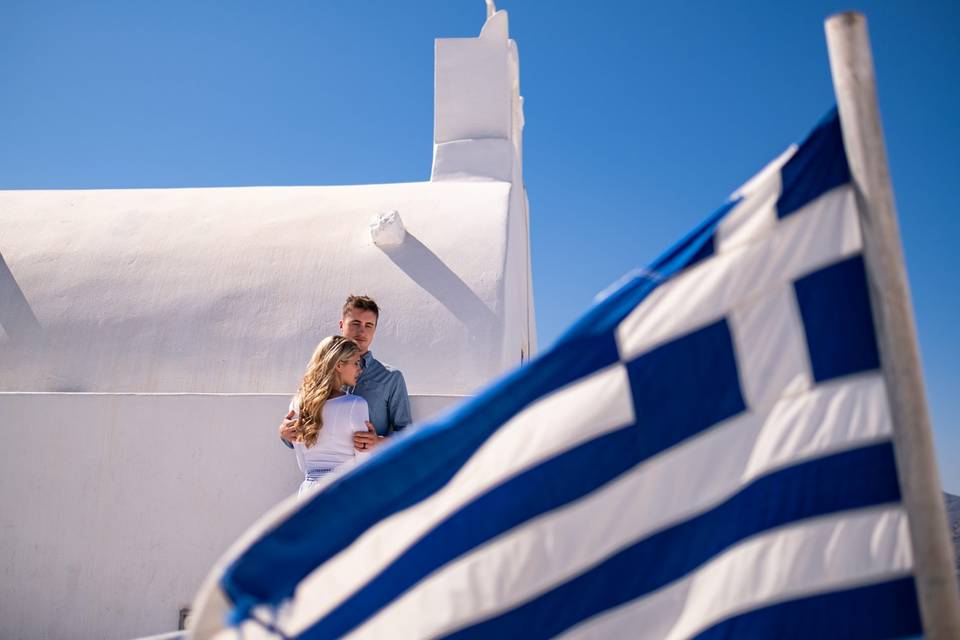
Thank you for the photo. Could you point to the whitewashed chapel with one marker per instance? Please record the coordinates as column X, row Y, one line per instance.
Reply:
column 150, row 339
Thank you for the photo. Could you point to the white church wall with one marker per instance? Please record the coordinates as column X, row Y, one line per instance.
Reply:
column 520, row 340
column 472, row 98
column 483, row 158
column 229, row 290
column 478, row 134
column 115, row 506
column 150, row 339
column 519, row 289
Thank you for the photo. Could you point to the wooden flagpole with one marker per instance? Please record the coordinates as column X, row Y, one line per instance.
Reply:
column 851, row 64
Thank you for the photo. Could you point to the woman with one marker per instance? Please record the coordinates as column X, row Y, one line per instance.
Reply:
column 325, row 418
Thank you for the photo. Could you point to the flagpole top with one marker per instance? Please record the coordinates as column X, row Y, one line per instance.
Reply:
column 848, row 24
column 846, row 16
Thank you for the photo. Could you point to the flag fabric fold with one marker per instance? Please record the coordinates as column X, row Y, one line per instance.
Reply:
column 707, row 452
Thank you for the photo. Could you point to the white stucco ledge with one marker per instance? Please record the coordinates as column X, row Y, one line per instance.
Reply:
column 483, row 159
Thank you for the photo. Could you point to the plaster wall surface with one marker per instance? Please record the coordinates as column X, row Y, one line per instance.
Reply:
column 476, row 104
column 229, row 290
column 150, row 339
column 113, row 507
column 478, row 135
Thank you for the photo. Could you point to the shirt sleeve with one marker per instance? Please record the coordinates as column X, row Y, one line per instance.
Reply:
column 398, row 404
column 359, row 414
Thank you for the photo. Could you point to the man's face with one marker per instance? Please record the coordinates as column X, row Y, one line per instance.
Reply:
column 359, row 325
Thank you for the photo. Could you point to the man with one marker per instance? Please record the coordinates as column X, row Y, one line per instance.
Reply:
column 382, row 386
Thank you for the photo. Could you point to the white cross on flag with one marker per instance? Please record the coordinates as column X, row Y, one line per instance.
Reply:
column 706, row 453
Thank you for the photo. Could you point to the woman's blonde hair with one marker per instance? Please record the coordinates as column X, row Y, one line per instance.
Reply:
column 320, row 382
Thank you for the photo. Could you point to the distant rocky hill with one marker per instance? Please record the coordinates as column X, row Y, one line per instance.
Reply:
column 953, row 515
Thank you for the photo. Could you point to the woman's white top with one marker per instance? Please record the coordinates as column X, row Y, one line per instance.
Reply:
column 342, row 417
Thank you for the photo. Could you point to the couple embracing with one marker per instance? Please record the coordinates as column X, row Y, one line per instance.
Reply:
column 348, row 400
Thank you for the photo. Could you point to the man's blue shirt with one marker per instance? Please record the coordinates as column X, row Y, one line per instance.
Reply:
column 385, row 391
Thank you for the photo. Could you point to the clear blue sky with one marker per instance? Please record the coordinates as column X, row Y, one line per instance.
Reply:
column 641, row 118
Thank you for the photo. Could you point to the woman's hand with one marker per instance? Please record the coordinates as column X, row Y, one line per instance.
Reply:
column 288, row 429
column 366, row 440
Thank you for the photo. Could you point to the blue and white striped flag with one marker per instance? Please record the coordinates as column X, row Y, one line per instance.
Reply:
column 706, row 453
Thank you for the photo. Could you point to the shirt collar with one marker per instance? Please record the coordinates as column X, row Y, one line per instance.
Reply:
column 367, row 359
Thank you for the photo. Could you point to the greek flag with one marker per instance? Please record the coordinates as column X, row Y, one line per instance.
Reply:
column 706, row 453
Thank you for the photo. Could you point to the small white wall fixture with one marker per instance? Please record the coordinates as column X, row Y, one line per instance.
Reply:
column 387, row 230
